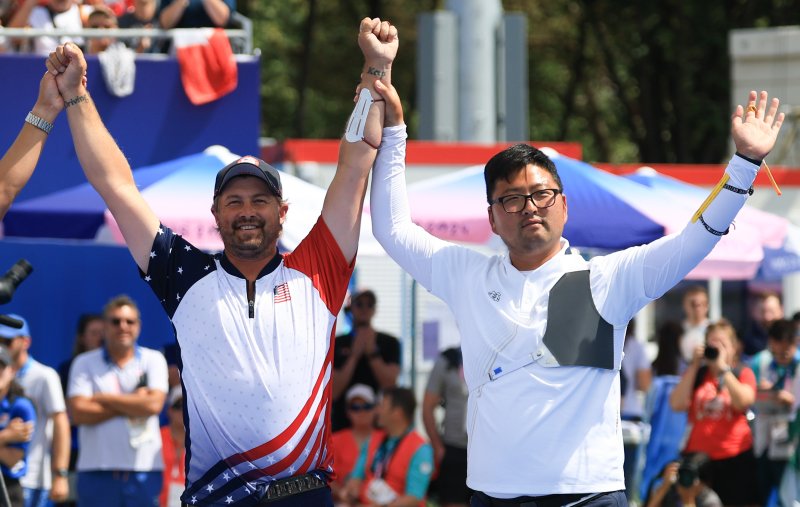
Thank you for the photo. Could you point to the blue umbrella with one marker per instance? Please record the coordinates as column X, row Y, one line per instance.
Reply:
column 779, row 238
column 605, row 211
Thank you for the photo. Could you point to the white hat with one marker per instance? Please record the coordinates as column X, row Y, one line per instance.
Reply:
column 360, row 391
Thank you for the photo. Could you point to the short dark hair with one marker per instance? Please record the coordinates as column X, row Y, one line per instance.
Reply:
column 513, row 159
column 402, row 398
column 782, row 330
column 119, row 302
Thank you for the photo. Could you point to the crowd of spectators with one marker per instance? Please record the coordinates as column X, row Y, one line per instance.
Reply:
column 736, row 414
column 75, row 15
column 722, row 409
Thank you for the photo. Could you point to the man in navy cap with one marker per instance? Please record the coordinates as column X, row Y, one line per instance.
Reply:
column 255, row 327
column 48, row 454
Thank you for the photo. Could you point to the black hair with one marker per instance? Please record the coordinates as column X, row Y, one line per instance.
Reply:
column 782, row 330
column 402, row 398
column 513, row 159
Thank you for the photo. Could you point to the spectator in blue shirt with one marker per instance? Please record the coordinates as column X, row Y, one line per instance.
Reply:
column 17, row 418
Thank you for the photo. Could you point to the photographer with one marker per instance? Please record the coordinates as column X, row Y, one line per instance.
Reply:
column 717, row 392
column 684, row 483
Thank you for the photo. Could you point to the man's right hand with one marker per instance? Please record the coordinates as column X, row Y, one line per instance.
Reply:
column 69, row 66
column 394, row 108
column 378, row 41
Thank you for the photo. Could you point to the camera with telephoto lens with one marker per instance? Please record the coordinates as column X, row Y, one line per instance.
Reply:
column 692, row 467
column 711, row 353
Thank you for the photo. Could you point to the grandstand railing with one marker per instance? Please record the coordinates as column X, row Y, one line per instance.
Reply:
column 241, row 38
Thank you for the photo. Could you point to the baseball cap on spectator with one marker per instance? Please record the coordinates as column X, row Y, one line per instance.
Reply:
column 9, row 333
column 362, row 391
column 5, row 357
column 249, row 166
column 367, row 295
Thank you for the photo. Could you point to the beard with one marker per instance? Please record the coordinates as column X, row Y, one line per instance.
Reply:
column 259, row 242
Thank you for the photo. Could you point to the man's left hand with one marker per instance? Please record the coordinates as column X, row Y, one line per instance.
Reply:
column 755, row 127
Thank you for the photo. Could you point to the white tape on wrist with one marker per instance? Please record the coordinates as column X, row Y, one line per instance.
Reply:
column 358, row 118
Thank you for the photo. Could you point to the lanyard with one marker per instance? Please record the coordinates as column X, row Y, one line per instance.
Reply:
column 384, row 454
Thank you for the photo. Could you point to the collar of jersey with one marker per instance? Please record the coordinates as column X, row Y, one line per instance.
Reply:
column 229, row 268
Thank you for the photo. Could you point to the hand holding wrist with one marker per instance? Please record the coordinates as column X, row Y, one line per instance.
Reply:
column 46, row 111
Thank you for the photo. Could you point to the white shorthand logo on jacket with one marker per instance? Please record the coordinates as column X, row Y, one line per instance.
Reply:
column 494, row 295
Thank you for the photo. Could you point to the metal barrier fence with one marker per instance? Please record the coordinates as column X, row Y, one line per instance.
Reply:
column 241, row 38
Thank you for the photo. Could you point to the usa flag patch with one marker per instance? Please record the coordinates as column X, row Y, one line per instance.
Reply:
column 280, row 293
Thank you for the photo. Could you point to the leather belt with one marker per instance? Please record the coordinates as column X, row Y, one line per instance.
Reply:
column 292, row 486
column 575, row 500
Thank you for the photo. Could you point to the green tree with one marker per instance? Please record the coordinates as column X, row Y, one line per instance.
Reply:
column 645, row 81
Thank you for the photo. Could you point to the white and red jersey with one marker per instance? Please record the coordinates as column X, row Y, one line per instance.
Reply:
column 256, row 372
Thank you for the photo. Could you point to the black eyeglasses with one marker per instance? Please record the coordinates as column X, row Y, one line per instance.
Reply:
column 116, row 321
column 360, row 407
column 515, row 203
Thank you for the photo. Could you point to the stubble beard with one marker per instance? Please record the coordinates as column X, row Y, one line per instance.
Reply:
column 252, row 249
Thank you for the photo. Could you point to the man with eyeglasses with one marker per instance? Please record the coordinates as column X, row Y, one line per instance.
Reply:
column 115, row 394
column 363, row 356
column 543, row 328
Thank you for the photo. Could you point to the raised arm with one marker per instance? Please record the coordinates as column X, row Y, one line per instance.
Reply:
column 645, row 273
column 18, row 163
column 408, row 244
column 105, row 166
column 344, row 200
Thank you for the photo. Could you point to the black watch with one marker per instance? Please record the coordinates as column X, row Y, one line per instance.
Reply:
column 62, row 472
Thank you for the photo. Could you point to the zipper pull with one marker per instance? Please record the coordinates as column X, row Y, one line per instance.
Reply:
column 251, row 306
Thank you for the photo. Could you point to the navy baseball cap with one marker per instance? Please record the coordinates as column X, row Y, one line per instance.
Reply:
column 9, row 333
column 249, row 166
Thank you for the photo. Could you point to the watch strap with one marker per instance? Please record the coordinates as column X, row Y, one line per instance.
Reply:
column 40, row 123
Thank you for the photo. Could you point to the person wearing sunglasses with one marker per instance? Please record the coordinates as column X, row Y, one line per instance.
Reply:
column 115, row 394
column 361, row 438
column 542, row 328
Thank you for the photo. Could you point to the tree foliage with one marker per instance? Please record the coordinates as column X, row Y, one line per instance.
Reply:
column 645, row 81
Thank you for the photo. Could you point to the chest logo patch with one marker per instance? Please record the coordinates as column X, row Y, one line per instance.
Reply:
column 494, row 295
column 280, row 294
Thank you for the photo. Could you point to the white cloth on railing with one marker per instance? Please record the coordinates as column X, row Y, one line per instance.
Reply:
column 118, row 64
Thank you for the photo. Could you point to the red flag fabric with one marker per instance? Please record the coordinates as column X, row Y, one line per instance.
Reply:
column 208, row 68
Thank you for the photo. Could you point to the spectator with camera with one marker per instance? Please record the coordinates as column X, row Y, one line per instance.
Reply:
column 776, row 372
column 717, row 391
column 684, row 483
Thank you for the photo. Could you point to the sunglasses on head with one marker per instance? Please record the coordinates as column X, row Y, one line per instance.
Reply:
column 116, row 321
column 360, row 407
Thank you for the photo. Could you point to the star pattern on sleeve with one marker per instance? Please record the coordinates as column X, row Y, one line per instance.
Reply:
column 152, row 254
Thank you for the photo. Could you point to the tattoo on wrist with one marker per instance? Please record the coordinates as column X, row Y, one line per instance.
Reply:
column 76, row 100
column 375, row 72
